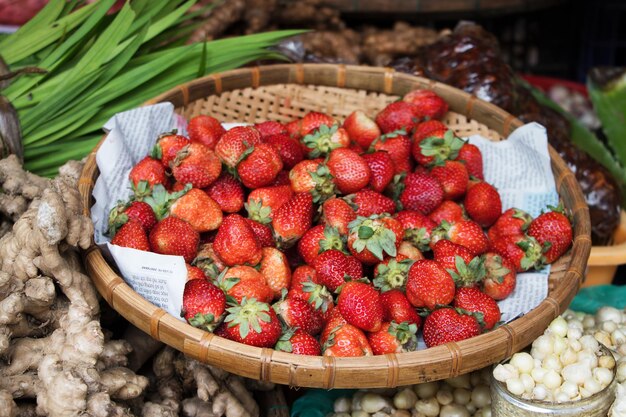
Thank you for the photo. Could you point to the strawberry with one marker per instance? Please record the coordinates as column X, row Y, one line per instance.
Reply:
column 193, row 272
column 475, row 301
column 553, row 231
column 132, row 235
column 243, row 281
column 259, row 165
column 145, row 174
column 465, row 268
column 434, row 143
column 282, row 178
column 134, row 210
column 512, row 222
column 253, row 323
column 333, row 266
column 174, row 236
column 446, row 325
column 293, row 219
column 367, row 203
column 313, row 121
column 524, row 252
column 453, row 178
column 465, row 232
column 275, row 269
column 262, row 232
column 305, row 286
column 167, row 146
column 337, row 213
column 265, row 201
column 397, row 115
column 427, row 103
column 322, row 141
column 393, row 338
column 449, row 211
column 350, row 171
column 319, row 239
column 208, row 261
column 301, row 275
column 417, row 228
column 234, row 143
column 270, row 128
column 361, row 129
column 422, row 192
column 398, row 145
column 333, row 322
column 206, row 130
column 312, row 176
column 198, row 209
column 288, row 148
column 382, row 170
column 473, row 159
column 235, row 242
column 227, row 192
column 298, row 342
column 197, row 165
column 296, row 312
column 203, row 304
column 346, row 341
column 482, row 203
column 500, row 276
column 427, row 129
column 408, row 251
column 370, row 238
column 429, row 285
column 293, row 128
column 396, row 307
column 391, row 274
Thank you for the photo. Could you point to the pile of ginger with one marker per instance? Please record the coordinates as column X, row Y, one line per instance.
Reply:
column 56, row 358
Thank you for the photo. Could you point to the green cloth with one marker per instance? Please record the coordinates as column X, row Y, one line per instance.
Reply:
column 590, row 299
column 318, row 402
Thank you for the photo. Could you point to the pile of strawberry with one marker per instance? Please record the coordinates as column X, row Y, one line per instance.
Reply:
column 282, row 225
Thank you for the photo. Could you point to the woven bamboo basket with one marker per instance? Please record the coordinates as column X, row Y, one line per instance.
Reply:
column 284, row 92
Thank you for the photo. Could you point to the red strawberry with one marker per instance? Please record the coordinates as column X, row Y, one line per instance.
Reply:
column 227, row 192
column 288, row 148
column 174, row 236
column 346, row 341
column 234, row 143
column 465, row 268
column 475, row 301
column 281, row 179
column 270, row 128
column 337, row 213
column 275, row 269
column 500, row 276
column 293, row 219
column 371, row 238
column 453, row 178
column 265, row 201
column 262, row 232
column 368, row 202
column 553, row 231
column 428, row 104
column 305, row 286
column 427, row 129
column 296, row 312
column 434, row 143
column 135, row 210
column 198, row 209
column 408, row 251
column 396, row 307
column 148, row 171
column 167, row 146
column 466, row 233
column 350, row 171
column 312, row 121
column 482, row 203
column 382, row 168
column 132, row 235
column 243, row 281
column 206, row 130
column 319, row 239
column 298, row 342
column 235, row 242
column 193, row 272
column 398, row 145
column 311, row 176
column 361, row 129
column 208, row 261
column 333, row 266
column 449, row 211
column 322, row 141
column 417, row 228
column 203, row 304
column 524, row 252
column 253, row 323
column 512, row 222
column 391, row 273
column 397, row 115
column 422, row 192
column 393, row 338
column 197, row 165
column 293, row 128
column 259, row 165
column 429, row 285
column 446, row 325
column 473, row 159
column 333, row 322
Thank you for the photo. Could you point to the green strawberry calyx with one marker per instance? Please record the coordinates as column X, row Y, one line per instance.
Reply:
column 533, row 253
column 442, row 149
column 419, row 237
column 405, row 334
column 468, row 274
column 117, row 218
column 371, row 234
column 324, row 185
column 161, row 200
column 321, row 141
column 258, row 212
column 248, row 316
column 206, row 322
column 284, row 342
column 319, row 296
column 331, row 240
column 495, row 270
column 392, row 275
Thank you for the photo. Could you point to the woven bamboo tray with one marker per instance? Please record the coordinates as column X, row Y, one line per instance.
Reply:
column 284, row 92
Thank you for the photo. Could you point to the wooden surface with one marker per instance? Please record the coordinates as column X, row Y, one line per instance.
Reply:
column 283, row 92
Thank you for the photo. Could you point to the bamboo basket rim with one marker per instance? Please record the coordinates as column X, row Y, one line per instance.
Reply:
column 390, row 370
